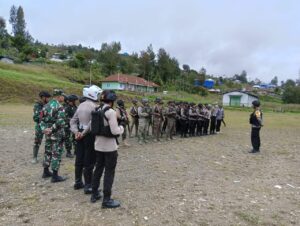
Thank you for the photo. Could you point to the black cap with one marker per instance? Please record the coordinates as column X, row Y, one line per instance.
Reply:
column 108, row 96
column 44, row 94
column 72, row 97
column 256, row 103
column 120, row 103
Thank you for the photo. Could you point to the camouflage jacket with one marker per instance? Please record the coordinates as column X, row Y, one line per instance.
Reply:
column 37, row 108
column 53, row 116
column 69, row 111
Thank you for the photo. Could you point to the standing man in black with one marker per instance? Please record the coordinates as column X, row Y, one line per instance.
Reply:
column 256, row 121
column 85, row 149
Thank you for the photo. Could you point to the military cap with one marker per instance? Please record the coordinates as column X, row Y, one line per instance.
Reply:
column 44, row 94
column 58, row 92
column 72, row 97
column 145, row 100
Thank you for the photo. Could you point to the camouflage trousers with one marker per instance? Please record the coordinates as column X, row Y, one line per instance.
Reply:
column 54, row 149
column 143, row 128
column 69, row 140
column 171, row 127
column 38, row 137
column 156, row 128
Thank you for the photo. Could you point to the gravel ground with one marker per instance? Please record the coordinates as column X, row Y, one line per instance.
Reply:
column 208, row 180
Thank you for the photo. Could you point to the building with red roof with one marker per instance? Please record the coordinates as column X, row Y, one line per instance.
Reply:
column 128, row 82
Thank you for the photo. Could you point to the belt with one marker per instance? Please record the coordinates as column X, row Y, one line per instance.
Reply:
column 83, row 127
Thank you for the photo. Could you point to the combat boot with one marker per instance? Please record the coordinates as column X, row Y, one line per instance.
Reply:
column 78, row 178
column 109, row 203
column 78, row 185
column 69, row 155
column 95, row 196
column 35, row 153
column 87, row 189
column 47, row 173
column 55, row 178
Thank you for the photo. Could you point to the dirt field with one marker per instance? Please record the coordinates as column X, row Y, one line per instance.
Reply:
column 195, row 181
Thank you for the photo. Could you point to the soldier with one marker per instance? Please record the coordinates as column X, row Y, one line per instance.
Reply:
column 213, row 116
column 184, row 114
column 192, row 119
column 220, row 117
column 171, row 120
column 157, row 113
column 70, row 109
column 122, row 119
column 144, row 113
column 256, row 121
column 85, row 149
column 38, row 136
column 52, row 125
column 134, row 118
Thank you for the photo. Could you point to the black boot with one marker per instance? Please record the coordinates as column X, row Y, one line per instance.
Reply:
column 69, row 155
column 78, row 178
column 56, row 178
column 95, row 196
column 46, row 173
column 78, row 185
column 110, row 203
column 88, row 189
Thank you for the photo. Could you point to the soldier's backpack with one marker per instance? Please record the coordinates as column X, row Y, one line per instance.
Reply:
column 97, row 123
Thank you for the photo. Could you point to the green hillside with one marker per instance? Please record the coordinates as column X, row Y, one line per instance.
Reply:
column 21, row 83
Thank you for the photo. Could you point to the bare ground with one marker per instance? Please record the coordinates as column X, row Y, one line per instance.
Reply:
column 195, row 181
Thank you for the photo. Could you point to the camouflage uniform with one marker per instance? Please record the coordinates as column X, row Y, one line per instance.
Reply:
column 144, row 113
column 171, row 114
column 157, row 121
column 69, row 137
column 54, row 118
column 134, row 120
column 38, row 135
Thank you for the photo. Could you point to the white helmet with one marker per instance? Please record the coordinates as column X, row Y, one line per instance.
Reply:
column 92, row 92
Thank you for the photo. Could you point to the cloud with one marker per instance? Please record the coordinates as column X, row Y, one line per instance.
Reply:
column 225, row 36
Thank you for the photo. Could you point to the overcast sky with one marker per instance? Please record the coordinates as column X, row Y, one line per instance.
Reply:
column 224, row 36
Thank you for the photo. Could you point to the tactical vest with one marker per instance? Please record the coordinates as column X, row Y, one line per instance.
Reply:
column 253, row 119
column 98, row 127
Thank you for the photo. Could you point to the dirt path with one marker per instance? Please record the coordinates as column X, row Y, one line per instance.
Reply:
column 195, row 181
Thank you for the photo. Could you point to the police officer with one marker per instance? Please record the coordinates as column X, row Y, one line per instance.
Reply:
column 85, row 150
column 106, row 152
column 70, row 109
column 52, row 125
column 192, row 119
column 37, row 109
column 184, row 115
column 256, row 121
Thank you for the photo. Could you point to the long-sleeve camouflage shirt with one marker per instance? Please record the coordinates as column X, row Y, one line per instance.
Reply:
column 69, row 112
column 53, row 117
column 37, row 108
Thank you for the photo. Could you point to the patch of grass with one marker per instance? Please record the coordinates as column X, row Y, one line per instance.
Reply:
column 31, row 200
column 3, row 180
column 252, row 220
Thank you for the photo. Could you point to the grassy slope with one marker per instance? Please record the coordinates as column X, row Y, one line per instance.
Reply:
column 21, row 83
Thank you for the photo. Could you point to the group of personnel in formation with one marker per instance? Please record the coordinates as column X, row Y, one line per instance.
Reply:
column 93, row 128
